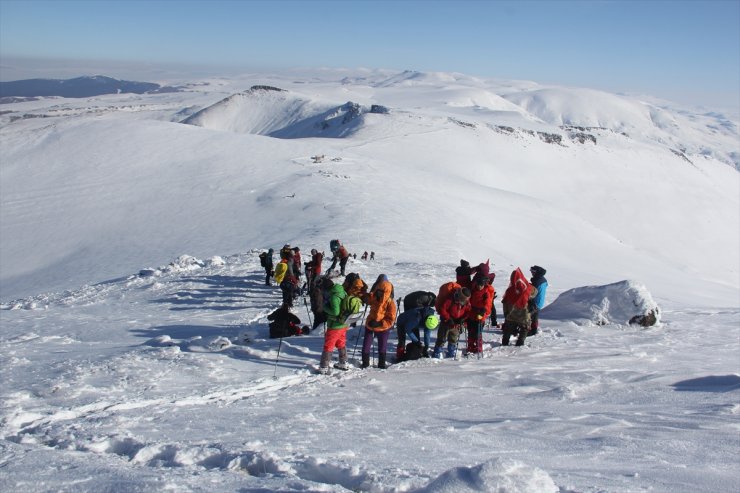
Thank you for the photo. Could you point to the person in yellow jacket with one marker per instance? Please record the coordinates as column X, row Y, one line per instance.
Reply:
column 379, row 321
column 286, row 280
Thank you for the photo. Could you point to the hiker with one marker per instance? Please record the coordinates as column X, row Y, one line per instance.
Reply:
column 318, row 294
column 283, row 323
column 297, row 262
column 355, row 286
column 516, row 314
column 372, row 255
column 481, row 299
column 364, row 255
column 410, row 322
column 538, row 302
column 313, row 267
column 417, row 299
column 453, row 313
column 379, row 321
column 463, row 273
column 336, row 328
column 286, row 280
column 341, row 255
column 266, row 262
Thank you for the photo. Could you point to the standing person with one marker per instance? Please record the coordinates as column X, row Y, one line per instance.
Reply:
column 313, row 267
column 364, row 255
column 319, row 296
column 297, row 263
column 379, row 321
column 372, row 255
column 463, row 273
column 516, row 314
column 538, row 302
column 343, row 258
column 336, row 327
column 286, row 280
column 266, row 262
column 410, row 322
column 453, row 313
column 481, row 298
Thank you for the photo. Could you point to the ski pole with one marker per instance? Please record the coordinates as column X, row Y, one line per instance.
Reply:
column 274, row 373
column 308, row 312
column 362, row 326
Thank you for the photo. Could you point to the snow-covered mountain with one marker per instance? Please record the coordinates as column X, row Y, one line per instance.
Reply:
column 164, row 379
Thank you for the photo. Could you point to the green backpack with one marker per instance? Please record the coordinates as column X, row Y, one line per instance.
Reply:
column 349, row 306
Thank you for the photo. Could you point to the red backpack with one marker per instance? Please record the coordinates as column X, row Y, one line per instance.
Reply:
column 445, row 293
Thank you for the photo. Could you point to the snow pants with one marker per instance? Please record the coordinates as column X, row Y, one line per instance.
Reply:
column 367, row 341
column 335, row 338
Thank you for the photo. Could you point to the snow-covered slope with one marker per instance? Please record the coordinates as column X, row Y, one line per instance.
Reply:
column 164, row 380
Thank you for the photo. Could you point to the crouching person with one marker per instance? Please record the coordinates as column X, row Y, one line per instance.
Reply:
column 283, row 323
column 410, row 323
column 453, row 313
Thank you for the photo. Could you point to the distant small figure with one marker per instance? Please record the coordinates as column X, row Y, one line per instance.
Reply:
column 364, row 256
column 354, row 256
column 372, row 255
column 266, row 263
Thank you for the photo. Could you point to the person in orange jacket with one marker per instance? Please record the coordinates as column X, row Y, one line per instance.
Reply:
column 379, row 321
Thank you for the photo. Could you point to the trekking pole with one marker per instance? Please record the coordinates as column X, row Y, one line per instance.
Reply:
column 308, row 312
column 274, row 373
column 362, row 326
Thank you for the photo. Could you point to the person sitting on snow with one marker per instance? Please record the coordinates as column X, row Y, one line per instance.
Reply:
column 283, row 323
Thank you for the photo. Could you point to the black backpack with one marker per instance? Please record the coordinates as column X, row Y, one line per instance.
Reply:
column 263, row 259
column 413, row 351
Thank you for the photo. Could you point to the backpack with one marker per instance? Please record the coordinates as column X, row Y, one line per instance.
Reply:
column 445, row 292
column 413, row 352
column 263, row 259
column 349, row 306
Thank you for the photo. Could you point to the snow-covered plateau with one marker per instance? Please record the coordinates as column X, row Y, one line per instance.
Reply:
column 134, row 349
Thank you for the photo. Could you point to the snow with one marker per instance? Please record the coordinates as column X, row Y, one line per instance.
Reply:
column 134, row 353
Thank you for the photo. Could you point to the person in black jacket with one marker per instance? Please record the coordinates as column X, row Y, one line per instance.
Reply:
column 418, row 299
column 283, row 323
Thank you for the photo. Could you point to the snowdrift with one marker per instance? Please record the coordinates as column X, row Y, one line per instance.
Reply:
column 497, row 475
column 625, row 302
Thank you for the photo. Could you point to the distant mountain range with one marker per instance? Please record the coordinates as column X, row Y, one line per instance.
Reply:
column 80, row 87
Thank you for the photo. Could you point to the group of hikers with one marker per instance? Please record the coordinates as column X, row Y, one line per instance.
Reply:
column 461, row 306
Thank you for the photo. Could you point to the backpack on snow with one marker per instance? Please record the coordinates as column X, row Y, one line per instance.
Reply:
column 413, row 352
column 445, row 293
column 263, row 259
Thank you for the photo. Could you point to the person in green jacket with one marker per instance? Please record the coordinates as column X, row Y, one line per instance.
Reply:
column 336, row 327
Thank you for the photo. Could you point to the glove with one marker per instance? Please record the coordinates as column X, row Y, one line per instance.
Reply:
column 373, row 324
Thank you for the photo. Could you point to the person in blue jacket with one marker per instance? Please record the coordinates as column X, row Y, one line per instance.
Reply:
column 538, row 302
column 410, row 322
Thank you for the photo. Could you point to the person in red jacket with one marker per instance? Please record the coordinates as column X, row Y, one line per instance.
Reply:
column 516, row 299
column 481, row 298
column 313, row 268
column 453, row 313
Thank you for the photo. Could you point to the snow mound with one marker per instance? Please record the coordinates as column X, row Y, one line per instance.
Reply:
column 624, row 302
column 493, row 476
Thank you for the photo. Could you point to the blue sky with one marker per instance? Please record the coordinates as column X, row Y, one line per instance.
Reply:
column 688, row 51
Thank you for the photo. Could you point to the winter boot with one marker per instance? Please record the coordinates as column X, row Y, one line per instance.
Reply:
column 451, row 350
column 324, row 363
column 365, row 360
column 437, row 352
column 472, row 345
column 381, row 361
column 425, row 353
column 400, row 353
column 342, row 365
